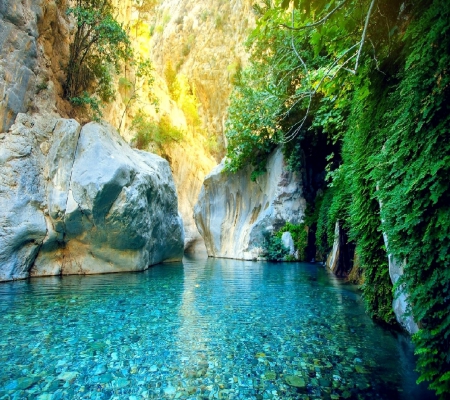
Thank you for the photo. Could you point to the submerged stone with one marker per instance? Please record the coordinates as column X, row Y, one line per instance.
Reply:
column 68, row 375
column 22, row 383
column 120, row 383
column 296, row 381
column 270, row 375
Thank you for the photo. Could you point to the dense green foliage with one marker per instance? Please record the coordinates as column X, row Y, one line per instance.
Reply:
column 99, row 45
column 157, row 134
column 372, row 77
column 413, row 170
column 275, row 249
column 299, row 235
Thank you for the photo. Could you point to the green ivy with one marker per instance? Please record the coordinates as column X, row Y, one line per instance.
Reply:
column 299, row 233
column 413, row 170
column 389, row 122
column 275, row 249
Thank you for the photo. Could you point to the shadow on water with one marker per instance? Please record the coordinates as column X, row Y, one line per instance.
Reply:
column 204, row 327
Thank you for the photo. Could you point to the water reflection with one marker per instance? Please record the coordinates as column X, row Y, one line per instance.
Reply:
column 202, row 329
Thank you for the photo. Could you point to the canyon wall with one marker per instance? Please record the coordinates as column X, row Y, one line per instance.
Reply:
column 233, row 214
column 197, row 45
column 201, row 41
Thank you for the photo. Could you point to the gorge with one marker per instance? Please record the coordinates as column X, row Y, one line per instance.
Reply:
column 267, row 133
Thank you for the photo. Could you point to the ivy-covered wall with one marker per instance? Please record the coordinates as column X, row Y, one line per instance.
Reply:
column 372, row 78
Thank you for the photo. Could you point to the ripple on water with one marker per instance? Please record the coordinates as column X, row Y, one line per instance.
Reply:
column 204, row 329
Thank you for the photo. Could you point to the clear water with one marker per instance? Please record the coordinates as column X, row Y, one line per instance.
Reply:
column 201, row 329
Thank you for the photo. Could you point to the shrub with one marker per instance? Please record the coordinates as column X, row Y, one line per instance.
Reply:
column 99, row 45
column 149, row 132
column 274, row 249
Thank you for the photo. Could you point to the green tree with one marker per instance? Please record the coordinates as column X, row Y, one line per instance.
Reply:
column 99, row 45
column 142, row 76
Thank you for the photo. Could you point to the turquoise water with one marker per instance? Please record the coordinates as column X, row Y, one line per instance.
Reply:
column 201, row 329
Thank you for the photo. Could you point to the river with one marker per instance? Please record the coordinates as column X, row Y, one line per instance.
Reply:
column 200, row 329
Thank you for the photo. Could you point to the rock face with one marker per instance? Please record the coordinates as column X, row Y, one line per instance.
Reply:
column 81, row 201
column 18, row 57
column 400, row 303
column 22, row 195
column 288, row 242
column 340, row 259
column 34, row 47
column 233, row 214
column 203, row 41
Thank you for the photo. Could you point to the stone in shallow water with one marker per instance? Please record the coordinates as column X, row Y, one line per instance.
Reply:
column 68, row 375
column 105, row 378
column 360, row 370
column 99, row 369
column 22, row 383
column 270, row 375
column 121, row 383
column 45, row 396
column 170, row 390
column 295, row 381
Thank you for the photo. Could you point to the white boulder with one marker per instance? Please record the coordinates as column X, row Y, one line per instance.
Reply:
column 233, row 214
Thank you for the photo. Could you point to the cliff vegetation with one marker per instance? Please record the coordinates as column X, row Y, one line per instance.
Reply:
column 359, row 91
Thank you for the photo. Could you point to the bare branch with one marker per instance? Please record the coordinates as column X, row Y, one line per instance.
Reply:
column 334, row 64
column 310, row 94
column 363, row 38
column 315, row 23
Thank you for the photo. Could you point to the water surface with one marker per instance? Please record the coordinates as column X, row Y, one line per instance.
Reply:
column 201, row 329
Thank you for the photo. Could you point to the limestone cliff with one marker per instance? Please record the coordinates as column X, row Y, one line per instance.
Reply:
column 34, row 46
column 18, row 58
column 198, row 46
column 203, row 40
column 233, row 213
column 81, row 201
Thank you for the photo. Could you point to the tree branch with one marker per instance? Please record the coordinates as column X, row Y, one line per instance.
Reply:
column 315, row 23
column 363, row 38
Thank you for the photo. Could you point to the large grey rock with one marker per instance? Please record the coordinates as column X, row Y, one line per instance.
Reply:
column 22, row 196
column 233, row 214
column 18, row 57
column 400, row 304
column 111, row 209
column 80, row 201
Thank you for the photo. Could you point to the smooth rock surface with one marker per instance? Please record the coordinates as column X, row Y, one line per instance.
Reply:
column 117, row 213
column 288, row 242
column 22, row 197
column 333, row 256
column 400, row 303
column 233, row 213
column 81, row 201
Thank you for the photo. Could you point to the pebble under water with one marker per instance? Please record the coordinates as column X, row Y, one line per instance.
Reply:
column 201, row 329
